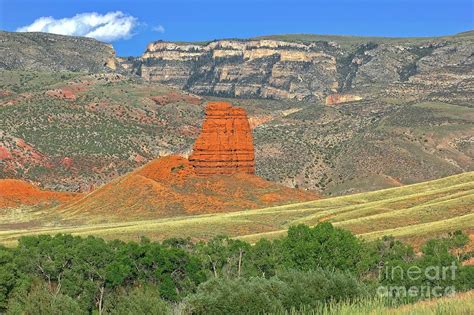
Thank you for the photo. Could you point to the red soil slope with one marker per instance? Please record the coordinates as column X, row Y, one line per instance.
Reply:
column 15, row 192
column 169, row 187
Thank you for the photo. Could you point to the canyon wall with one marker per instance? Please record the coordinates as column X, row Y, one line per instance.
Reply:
column 264, row 68
column 279, row 69
column 299, row 67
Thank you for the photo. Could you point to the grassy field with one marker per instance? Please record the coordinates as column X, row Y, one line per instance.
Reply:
column 412, row 212
column 459, row 304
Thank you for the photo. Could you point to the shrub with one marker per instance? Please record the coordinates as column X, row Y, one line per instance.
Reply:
column 7, row 276
column 288, row 290
column 140, row 300
column 40, row 301
column 313, row 288
column 236, row 296
column 323, row 246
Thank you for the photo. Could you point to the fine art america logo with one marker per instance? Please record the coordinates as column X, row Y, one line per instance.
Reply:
column 424, row 282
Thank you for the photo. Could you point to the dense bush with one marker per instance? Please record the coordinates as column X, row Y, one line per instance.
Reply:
column 315, row 287
column 287, row 290
column 41, row 301
column 87, row 269
column 237, row 296
column 323, row 246
column 140, row 300
column 436, row 272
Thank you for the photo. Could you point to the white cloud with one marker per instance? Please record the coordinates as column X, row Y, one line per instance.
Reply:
column 159, row 29
column 105, row 27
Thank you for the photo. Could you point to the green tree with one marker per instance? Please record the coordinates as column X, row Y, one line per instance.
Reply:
column 8, row 276
column 324, row 247
column 236, row 296
column 265, row 258
column 41, row 301
column 223, row 256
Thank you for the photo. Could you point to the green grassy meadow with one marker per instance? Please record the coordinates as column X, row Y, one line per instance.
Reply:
column 459, row 304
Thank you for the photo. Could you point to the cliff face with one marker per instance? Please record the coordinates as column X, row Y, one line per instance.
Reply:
column 279, row 69
column 263, row 68
column 225, row 144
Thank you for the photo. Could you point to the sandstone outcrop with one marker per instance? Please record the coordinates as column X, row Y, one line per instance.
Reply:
column 256, row 68
column 294, row 69
column 335, row 99
column 225, row 145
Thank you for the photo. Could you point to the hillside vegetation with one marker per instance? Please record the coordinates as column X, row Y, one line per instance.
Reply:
column 75, row 132
column 414, row 212
column 34, row 51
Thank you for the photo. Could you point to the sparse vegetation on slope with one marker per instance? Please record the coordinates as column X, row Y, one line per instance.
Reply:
column 74, row 132
column 170, row 187
column 51, row 52
column 407, row 116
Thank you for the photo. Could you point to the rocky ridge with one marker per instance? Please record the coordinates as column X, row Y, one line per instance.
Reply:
column 51, row 52
column 260, row 68
column 302, row 70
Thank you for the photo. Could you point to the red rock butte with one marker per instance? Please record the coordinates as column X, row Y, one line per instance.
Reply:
column 225, row 145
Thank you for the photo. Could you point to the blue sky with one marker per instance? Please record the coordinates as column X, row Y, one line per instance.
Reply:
column 131, row 25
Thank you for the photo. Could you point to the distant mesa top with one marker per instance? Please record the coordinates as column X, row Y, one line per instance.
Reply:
column 225, row 145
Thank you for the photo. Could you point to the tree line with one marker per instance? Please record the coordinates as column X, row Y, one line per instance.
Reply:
column 310, row 267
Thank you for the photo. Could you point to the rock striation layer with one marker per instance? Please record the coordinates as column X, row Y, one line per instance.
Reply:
column 225, row 145
column 313, row 67
column 256, row 68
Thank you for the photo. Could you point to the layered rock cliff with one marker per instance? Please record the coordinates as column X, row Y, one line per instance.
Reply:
column 257, row 68
column 291, row 69
column 225, row 144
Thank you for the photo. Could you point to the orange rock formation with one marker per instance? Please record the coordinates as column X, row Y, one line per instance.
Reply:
column 225, row 145
column 173, row 185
